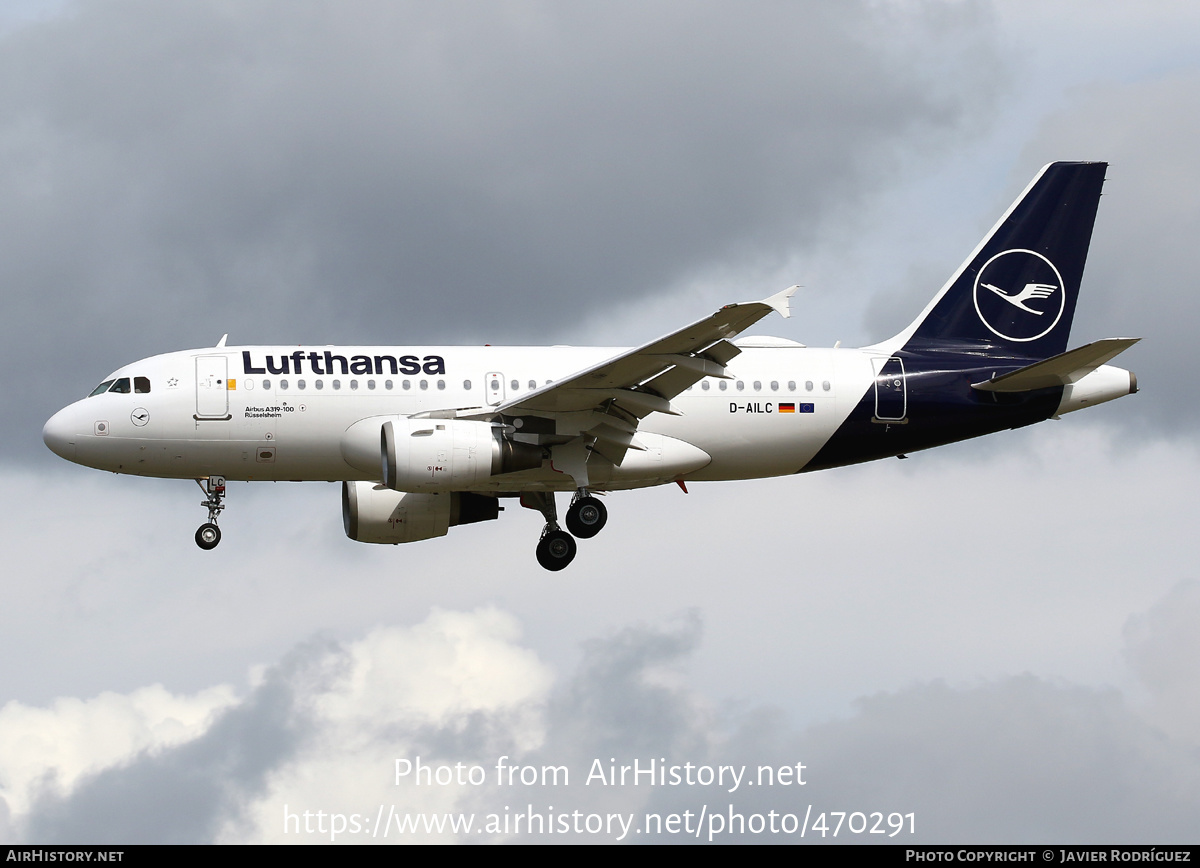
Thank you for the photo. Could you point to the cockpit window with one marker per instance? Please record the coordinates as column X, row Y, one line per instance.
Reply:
column 103, row 387
column 141, row 385
column 121, row 386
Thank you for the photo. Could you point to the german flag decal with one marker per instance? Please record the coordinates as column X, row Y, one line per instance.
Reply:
column 787, row 408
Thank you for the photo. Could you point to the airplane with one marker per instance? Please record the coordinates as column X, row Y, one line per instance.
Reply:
column 427, row 438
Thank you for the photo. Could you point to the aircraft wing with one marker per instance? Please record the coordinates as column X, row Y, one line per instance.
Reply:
column 604, row 403
column 643, row 380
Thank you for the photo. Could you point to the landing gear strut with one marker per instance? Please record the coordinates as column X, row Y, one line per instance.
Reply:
column 208, row 534
column 586, row 515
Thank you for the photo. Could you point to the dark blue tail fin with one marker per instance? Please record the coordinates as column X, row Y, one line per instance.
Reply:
column 1016, row 293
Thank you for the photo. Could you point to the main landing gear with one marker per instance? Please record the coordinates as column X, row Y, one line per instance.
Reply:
column 208, row 534
column 585, row 517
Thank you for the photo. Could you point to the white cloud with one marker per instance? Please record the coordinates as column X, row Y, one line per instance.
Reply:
column 47, row 751
column 455, row 688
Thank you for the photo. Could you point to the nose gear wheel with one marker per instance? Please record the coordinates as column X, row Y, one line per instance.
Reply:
column 208, row 536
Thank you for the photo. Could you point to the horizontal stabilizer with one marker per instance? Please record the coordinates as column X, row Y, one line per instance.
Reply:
column 1060, row 370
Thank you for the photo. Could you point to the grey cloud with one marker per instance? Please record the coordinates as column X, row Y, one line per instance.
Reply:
column 1162, row 646
column 399, row 172
column 187, row 793
column 615, row 696
column 1014, row 760
column 1017, row 759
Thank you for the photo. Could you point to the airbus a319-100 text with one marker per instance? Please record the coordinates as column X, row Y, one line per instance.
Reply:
column 425, row 438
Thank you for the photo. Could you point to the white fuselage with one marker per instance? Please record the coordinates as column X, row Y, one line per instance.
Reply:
column 205, row 415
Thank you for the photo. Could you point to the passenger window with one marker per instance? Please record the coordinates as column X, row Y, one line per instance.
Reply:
column 371, row 384
column 467, row 385
column 121, row 386
column 515, row 385
column 283, row 385
column 441, row 384
column 741, row 385
column 791, row 385
column 722, row 385
column 704, row 385
column 533, row 384
column 103, row 387
column 266, row 384
column 141, row 385
column 774, row 385
column 758, row 385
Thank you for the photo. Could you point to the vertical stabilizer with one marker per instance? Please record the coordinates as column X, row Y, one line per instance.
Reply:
column 1016, row 293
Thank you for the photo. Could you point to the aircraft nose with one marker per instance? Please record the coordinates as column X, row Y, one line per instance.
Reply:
column 59, row 435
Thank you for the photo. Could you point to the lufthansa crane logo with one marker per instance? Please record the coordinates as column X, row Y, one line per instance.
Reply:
column 1019, row 295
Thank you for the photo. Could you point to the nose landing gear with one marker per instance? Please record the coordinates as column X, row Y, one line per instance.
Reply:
column 208, row 534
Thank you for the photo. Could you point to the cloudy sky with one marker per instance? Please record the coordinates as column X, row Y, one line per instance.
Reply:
column 997, row 638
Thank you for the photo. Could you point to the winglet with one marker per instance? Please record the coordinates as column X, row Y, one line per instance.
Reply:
column 221, row 342
column 779, row 301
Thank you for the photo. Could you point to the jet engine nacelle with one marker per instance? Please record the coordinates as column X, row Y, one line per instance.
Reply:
column 434, row 454
column 374, row 514
column 448, row 454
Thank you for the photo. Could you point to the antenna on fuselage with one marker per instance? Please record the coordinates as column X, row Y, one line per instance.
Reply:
column 221, row 342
